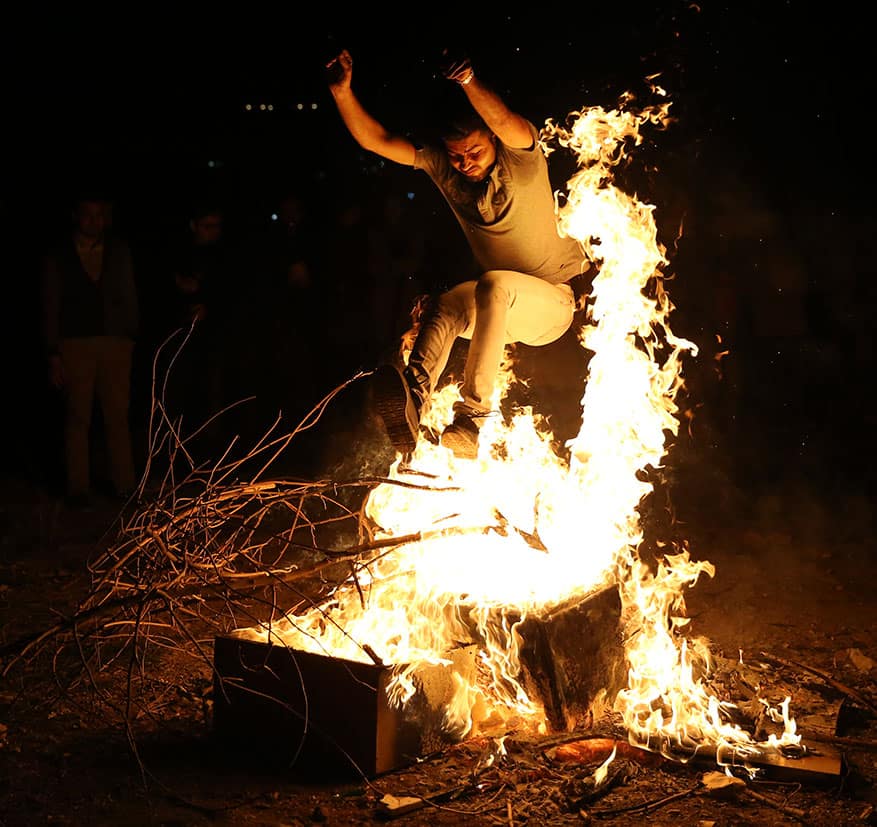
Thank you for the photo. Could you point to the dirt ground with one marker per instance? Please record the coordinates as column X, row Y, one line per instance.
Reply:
column 792, row 598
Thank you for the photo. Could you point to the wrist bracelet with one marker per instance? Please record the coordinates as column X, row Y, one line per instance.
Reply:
column 468, row 79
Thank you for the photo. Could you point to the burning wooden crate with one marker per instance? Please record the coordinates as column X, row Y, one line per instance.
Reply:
column 323, row 714
column 573, row 658
column 326, row 714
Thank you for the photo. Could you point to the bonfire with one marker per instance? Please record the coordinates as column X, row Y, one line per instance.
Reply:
column 452, row 553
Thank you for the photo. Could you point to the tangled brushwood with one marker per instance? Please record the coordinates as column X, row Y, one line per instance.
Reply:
column 200, row 550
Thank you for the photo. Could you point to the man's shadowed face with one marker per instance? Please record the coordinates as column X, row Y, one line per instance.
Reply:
column 91, row 219
column 472, row 156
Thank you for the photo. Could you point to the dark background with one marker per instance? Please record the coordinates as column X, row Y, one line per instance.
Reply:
column 763, row 185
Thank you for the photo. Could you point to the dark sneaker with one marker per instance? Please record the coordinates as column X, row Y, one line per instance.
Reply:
column 461, row 437
column 397, row 406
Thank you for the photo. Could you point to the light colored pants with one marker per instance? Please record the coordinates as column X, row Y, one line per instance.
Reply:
column 501, row 307
column 97, row 365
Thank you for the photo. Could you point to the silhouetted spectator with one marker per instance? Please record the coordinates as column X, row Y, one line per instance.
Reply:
column 396, row 265
column 346, row 287
column 90, row 320
column 291, row 243
column 289, row 306
column 200, row 282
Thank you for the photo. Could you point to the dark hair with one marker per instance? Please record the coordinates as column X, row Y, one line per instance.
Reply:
column 90, row 194
column 461, row 124
column 452, row 117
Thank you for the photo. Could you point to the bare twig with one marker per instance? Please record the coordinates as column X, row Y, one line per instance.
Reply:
column 777, row 805
column 648, row 805
column 840, row 687
column 855, row 743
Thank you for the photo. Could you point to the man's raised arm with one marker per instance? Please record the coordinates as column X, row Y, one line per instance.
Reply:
column 366, row 131
column 510, row 127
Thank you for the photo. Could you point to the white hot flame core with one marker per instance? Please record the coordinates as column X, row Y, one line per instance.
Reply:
column 519, row 529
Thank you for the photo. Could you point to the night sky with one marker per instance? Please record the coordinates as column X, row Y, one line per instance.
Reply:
column 767, row 168
column 781, row 89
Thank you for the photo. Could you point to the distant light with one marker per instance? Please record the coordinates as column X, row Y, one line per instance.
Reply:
column 248, row 107
column 274, row 216
column 313, row 106
column 409, row 196
column 262, row 106
column 211, row 164
column 299, row 106
column 270, row 107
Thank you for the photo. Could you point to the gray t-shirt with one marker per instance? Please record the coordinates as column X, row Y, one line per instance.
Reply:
column 509, row 218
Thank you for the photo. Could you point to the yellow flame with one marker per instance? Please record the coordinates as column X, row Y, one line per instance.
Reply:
column 602, row 772
column 519, row 529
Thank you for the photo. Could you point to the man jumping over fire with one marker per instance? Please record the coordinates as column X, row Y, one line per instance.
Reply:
column 492, row 171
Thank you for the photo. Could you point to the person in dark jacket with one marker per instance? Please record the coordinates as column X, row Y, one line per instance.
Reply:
column 202, row 302
column 90, row 322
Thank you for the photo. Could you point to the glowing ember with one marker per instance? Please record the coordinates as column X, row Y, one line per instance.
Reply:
column 519, row 529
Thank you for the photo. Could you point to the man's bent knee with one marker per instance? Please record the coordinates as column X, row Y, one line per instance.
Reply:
column 494, row 284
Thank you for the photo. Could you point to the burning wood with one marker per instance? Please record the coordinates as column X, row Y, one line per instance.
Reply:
column 822, row 765
column 325, row 711
column 594, row 750
column 323, row 714
column 573, row 659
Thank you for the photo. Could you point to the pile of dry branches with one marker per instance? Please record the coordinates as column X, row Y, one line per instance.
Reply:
column 200, row 549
